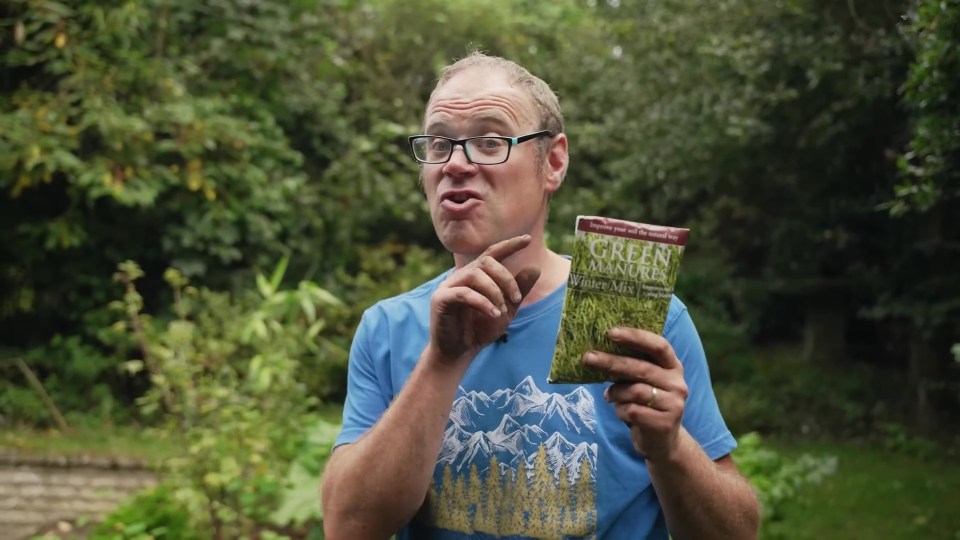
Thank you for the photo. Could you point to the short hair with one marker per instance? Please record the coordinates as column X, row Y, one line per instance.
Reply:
column 548, row 106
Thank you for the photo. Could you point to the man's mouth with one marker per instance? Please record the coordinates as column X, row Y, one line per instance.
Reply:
column 460, row 200
column 459, row 196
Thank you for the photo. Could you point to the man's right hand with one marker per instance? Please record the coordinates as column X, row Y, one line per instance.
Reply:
column 474, row 305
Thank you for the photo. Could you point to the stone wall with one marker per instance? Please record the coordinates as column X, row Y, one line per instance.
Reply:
column 36, row 492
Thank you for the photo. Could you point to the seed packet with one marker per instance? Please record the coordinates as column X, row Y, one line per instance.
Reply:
column 622, row 274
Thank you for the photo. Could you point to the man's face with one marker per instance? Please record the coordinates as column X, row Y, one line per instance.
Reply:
column 474, row 206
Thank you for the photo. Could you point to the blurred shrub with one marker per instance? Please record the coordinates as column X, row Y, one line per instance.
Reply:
column 778, row 393
column 67, row 363
column 712, row 297
column 300, row 505
column 226, row 389
column 161, row 513
column 155, row 514
column 21, row 403
column 775, row 478
column 900, row 439
column 388, row 269
column 381, row 271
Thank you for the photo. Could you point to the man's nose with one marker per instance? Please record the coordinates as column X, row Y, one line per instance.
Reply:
column 458, row 163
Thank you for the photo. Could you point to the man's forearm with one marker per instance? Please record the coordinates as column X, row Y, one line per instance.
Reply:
column 375, row 485
column 701, row 499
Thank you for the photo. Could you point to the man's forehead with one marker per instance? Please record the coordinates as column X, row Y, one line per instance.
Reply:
column 441, row 118
column 476, row 79
column 482, row 95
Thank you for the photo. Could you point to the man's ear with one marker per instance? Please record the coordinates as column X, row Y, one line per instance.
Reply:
column 556, row 162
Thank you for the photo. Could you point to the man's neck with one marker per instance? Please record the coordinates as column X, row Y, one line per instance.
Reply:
column 553, row 273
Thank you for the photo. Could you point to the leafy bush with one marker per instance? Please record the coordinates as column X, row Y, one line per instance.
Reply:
column 898, row 438
column 65, row 363
column 156, row 514
column 161, row 514
column 380, row 271
column 300, row 505
column 147, row 130
column 778, row 393
column 775, row 478
column 226, row 389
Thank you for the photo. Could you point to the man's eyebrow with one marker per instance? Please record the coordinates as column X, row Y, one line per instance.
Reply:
column 437, row 128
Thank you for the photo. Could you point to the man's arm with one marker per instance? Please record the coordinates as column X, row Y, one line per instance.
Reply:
column 374, row 486
column 700, row 498
column 703, row 498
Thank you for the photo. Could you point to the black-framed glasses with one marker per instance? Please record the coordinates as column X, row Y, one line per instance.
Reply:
column 434, row 149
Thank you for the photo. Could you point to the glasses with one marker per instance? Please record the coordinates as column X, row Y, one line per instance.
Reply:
column 434, row 149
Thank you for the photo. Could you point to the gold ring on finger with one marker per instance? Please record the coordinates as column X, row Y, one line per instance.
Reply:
column 653, row 396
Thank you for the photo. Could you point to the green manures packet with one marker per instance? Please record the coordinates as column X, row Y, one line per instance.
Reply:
column 622, row 274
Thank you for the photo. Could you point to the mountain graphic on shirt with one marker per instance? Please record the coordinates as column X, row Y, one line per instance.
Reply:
column 517, row 462
column 520, row 414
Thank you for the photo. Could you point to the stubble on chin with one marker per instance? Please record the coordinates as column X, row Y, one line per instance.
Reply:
column 462, row 239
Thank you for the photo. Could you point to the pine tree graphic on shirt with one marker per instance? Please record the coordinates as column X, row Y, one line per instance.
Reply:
column 518, row 463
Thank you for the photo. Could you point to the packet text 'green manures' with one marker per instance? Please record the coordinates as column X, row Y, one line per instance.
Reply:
column 622, row 274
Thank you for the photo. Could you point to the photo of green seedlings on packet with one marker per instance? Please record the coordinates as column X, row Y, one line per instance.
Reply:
column 621, row 274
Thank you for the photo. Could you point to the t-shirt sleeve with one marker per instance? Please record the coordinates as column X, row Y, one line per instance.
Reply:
column 701, row 416
column 366, row 398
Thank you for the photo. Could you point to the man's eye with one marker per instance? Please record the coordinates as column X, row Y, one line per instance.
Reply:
column 490, row 144
column 440, row 145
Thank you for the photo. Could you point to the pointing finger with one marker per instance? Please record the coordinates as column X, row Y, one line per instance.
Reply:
column 502, row 250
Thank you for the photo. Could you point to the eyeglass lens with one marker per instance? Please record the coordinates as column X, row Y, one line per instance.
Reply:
column 481, row 150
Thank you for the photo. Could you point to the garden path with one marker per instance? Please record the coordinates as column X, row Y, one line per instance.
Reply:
column 60, row 494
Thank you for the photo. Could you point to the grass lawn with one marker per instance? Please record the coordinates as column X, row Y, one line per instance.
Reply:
column 105, row 441
column 875, row 494
column 101, row 441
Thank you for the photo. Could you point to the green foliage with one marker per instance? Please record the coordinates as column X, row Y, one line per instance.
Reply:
column 155, row 514
column 220, row 136
column 380, row 271
column 924, row 287
column 775, row 478
column 897, row 438
column 930, row 165
column 776, row 392
column 22, row 402
column 113, row 128
column 387, row 269
column 69, row 362
column 300, row 503
column 149, row 130
column 721, row 313
column 225, row 385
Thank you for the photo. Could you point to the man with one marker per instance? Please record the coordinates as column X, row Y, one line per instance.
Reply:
column 450, row 427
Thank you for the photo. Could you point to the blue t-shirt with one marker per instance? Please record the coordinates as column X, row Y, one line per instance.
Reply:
column 522, row 458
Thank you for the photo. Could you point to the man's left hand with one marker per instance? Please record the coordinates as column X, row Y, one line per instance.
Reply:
column 648, row 395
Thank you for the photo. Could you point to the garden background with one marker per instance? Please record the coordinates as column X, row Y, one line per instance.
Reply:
column 199, row 199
